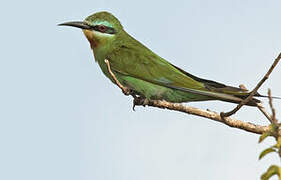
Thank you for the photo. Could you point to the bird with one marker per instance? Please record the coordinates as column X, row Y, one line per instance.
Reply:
column 145, row 73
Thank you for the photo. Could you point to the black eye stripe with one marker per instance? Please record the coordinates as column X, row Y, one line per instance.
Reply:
column 109, row 30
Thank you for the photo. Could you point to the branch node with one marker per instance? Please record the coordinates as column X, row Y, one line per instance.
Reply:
column 254, row 91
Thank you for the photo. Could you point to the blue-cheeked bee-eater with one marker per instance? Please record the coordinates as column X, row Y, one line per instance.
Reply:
column 144, row 72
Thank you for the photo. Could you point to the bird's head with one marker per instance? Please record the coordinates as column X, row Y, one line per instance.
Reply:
column 100, row 28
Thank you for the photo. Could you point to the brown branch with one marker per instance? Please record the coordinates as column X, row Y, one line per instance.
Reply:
column 231, row 122
column 254, row 91
column 247, row 126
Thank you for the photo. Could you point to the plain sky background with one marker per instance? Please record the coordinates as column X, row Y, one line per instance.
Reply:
column 62, row 119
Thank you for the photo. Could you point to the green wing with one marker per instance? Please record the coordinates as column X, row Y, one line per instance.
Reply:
column 137, row 61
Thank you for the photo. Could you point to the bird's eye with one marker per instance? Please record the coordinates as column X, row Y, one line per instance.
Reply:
column 102, row 28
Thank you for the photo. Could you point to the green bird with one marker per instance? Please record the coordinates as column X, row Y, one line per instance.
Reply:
column 144, row 72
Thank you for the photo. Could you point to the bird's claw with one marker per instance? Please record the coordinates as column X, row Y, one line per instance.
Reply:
column 139, row 101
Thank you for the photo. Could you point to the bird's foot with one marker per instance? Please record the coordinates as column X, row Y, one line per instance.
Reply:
column 140, row 101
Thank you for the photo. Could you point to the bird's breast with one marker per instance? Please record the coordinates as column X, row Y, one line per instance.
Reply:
column 91, row 38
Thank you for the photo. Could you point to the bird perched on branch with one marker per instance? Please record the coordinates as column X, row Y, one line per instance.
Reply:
column 145, row 73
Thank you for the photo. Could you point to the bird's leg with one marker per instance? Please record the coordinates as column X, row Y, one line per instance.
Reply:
column 139, row 100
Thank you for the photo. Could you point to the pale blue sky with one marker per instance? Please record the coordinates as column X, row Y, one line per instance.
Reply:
column 62, row 119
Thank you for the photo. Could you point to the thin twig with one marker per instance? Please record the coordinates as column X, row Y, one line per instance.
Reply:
column 231, row 122
column 254, row 91
column 273, row 117
column 124, row 89
column 265, row 113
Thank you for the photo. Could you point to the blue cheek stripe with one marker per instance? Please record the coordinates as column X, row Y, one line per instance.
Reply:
column 106, row 23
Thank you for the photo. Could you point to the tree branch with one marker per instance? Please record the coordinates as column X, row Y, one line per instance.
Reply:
column 247, row 126
column 231, row 122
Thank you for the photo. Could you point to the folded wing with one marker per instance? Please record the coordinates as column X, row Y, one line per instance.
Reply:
column 149, row 67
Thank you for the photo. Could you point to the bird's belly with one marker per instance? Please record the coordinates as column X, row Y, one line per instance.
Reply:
column 156, row 92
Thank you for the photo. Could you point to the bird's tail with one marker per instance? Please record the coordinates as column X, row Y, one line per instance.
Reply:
column 264, row 96
column 227, row 93
column 253, row 101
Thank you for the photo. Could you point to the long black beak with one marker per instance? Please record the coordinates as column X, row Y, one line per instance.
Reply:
column 78, row 24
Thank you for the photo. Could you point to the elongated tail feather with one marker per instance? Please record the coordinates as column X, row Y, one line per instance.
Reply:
column 264, row 96
column 220, row 96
